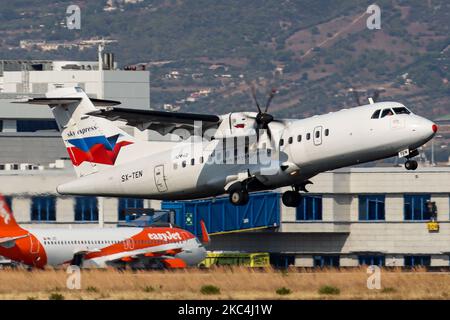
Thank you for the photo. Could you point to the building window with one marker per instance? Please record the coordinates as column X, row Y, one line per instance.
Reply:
column 326, row 261
column 415, row 207
column 371, row 260
column 125, row 203
column 310, row 208
column 8, row 200
column 415, row 261
column 43, row 208
column 279, row 260
column 371, row 207
column 86, row 209
column 36, row 125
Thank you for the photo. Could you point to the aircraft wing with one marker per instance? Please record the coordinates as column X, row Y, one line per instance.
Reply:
column 167, row 257
column 9, row 242
column 161, row 121
column 164, row 254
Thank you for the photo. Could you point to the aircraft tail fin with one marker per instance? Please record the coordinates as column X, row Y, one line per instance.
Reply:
column 205, row 236
column 6, row 217
column 93, row 144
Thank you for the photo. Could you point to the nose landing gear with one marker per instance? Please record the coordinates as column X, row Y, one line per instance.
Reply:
column 411, row 165
column 409, row 154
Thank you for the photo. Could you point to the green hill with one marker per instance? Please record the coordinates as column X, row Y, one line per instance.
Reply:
column 313, row 51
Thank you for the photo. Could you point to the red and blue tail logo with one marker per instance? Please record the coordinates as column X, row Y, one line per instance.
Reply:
column 99, row 149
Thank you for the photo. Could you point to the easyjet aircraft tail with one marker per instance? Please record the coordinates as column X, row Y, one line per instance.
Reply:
column 7, row 220
column 10, row 231
column 93, row 144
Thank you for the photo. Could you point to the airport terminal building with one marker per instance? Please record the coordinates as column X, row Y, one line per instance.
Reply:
column 351, row 216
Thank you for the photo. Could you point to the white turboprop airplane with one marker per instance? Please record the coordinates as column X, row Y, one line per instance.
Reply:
column 235, row 153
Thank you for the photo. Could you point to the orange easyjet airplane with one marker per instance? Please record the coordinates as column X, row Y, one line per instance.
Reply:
column 88, row 247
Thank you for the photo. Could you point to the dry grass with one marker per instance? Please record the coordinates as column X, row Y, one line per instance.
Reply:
column 234, row 283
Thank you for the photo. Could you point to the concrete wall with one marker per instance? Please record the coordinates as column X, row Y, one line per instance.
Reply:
column 31, row 148
column 132, row 88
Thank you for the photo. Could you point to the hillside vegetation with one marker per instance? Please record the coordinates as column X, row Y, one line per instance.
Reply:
column 313, row 51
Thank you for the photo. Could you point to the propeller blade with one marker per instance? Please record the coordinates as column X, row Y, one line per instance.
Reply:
column 272, row 94
column 255, row 99
column 269, row 134
column 376, row 95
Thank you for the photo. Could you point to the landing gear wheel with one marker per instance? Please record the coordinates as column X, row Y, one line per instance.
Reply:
column 411, row 165
column 291, row 198
column 239, row 197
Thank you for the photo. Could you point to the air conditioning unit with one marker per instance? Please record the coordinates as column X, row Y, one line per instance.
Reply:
column 26, row 166
column 59, row 164
column 12, row 166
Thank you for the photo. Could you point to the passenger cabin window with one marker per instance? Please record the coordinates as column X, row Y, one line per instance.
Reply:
column 281, row 142
column 387, row 112
column 327, row 132
column 299, row 138
column 183, row 164
column 192, row 162
column 290, row 140
column 376, row 114
column 317, row 134
column 308, row 136
column 401, row 110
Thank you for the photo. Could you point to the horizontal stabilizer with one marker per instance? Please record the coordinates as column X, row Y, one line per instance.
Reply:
column 9, row 242
column 65, row 101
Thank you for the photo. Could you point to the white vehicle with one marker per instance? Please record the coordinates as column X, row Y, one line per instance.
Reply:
column 235, row 153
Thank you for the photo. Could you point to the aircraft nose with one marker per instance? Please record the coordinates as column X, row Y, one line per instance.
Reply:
column 434, row 127
column 425, row 128
column 201, row 254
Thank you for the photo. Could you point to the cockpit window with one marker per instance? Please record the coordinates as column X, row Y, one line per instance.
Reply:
column 401, row 110
column 387, row 112
column 376, row 114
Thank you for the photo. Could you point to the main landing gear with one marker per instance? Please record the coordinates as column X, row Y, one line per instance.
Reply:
column 239, row 197
column 291, row 198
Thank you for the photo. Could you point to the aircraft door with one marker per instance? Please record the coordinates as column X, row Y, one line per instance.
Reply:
column 128, row 244
column 317, row 135
column 34, row 245
column 160, row 179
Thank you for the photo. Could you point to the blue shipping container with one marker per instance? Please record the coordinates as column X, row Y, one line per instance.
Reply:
column 263, row 210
